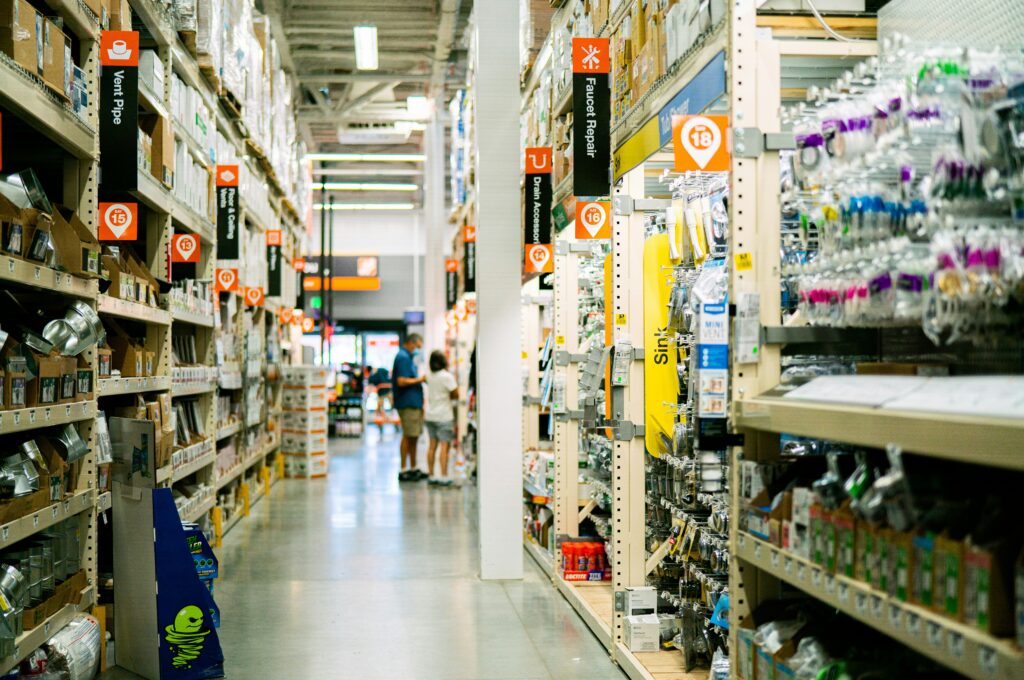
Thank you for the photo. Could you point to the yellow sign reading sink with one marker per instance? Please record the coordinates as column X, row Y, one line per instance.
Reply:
column 661, row 384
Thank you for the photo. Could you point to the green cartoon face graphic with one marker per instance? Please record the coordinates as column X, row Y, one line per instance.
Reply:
column 185, row 636
column 189, row 620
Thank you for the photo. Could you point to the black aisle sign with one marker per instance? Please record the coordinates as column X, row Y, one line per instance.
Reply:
column 538, row 195
column 591, row 109
column 451, row 281
column 273, row 262
column 469, row 258
column 227, row 212
column 119, row 110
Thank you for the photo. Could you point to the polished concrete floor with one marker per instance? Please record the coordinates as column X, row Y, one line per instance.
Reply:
column 359, row 577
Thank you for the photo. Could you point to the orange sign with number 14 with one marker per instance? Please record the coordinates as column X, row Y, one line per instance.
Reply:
column 700, row 144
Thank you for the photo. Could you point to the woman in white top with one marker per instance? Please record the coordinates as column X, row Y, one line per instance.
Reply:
column 442, row 391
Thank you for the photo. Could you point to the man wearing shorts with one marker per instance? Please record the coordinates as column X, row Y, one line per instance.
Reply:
column 408, row 386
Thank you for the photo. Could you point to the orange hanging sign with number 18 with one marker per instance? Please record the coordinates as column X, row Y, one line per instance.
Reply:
column 700, row 143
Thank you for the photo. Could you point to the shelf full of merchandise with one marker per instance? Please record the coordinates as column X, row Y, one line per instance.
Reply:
column 44, row 132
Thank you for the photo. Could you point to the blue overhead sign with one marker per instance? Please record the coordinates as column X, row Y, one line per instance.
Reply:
column 702, row 90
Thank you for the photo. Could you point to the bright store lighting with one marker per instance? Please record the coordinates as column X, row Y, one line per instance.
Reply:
column 365, row 206
column 366, row 47
column 418, row 106
column 368, row 157
column 367, row 186
column 367, row 172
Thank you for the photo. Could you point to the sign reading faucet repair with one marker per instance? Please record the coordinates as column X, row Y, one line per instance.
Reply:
column 119, row 110
column 591, row 110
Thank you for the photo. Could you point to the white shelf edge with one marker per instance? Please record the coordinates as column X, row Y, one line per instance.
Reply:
column 22, row 419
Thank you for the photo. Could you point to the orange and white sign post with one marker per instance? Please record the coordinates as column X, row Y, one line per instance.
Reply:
column 119, row 221
column 226, row 280
column 254, row 296
column 700, row 143
column 539, row 258
column 593, row 220
column 185, row 248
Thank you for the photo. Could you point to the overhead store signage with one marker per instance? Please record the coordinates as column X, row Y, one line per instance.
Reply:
column 308, row 324
column 299, row 264
column 119, row 110
column 226, row 280
column 451, row 282
column 227, row 212
column 591, row 109
column 469, row 258
column 700, row 92
column 274, row 264
column 285, row 315
column 185, row 248
column 539, row 258
column 254, row 296
column 593, row 220
column 119, row 221
column 537, row 203
column 699, row 143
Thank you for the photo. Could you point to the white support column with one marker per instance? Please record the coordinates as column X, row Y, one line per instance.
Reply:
column 436, row 225
column 499, row 266
column 567, row 452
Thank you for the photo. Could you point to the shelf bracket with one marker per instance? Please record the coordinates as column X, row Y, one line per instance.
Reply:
column 529, row 400
column 627, row 205
column 564, row 358
column 626, row 430
column 587, row 509
column 751, row 142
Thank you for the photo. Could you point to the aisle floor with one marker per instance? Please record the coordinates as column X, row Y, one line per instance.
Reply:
column 357, row 576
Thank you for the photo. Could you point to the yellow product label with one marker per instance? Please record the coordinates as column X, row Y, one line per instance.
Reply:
column 525, row 355
column 5, row 605
column 744, row 261
column 559, row 339
column 661, row 384
column 620, row 319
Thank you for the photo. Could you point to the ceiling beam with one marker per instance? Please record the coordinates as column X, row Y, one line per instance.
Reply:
column 364, row 98
column 383, row 32
column 363, row 77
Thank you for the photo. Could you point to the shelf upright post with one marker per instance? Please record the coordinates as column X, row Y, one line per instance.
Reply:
column 629, row 539
column 566, row 331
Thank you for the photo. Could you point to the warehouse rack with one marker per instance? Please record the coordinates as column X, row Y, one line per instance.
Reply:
column 73, row 140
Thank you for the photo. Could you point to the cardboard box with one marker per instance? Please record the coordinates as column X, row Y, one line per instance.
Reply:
column 150, row 363
column 922, row 580
column 45, row 389
column 18, row 22
column 643, row 633
column 641, row 600
column 988, row 588
column 104, row 362
column 128, row 357
column 39, row 245
column 159, row 129
column 12, row 229
column 78, row 251
column 949, row 577
column 68, row 380
column 120, row 15
column 745, row 668
column 53, row 56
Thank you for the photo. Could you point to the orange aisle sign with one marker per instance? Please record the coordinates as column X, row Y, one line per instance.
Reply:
column 539, row 258
column 593, row 219
column 308, row 324
column 273, row 237
column 299, row 264
column 254, row 296
column 184, row 248
column 119, row 221
column 700, row 144
column 227, row 280
column 285, row 315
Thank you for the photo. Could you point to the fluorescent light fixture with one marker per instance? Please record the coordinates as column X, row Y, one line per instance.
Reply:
column 367, row 186
column 368, row 157
column 366, row 47
column 407, row 126
column 367, row 172
column 365, row 206
column 418, row 106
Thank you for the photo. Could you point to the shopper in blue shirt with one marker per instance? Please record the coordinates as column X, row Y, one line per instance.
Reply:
column 408, row 386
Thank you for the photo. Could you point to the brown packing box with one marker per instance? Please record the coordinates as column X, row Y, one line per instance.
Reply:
column 782, row 512
column 988, row 587
column 112, row 268
column 128, row 357
column 68, row 592
column 140, row 271
column 120, row 13
column 45, row 389
column 150, row 363
column 78, row 251
column 36, row 501
column 104, row 362
column 12, row 228
column 53, row 56
column 68, row 380
column 159, row 129
column 39, row 223
column 949, row 577
column 18, row 33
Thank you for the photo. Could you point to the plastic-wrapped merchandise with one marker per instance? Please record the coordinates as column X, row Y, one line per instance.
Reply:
column 210, row 31
column 184, row 13
column 74, row 652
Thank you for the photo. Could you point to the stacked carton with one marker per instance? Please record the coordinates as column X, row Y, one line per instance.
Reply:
column 304, row 421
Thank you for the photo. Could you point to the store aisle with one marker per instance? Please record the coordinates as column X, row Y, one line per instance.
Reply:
column 358, row 577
